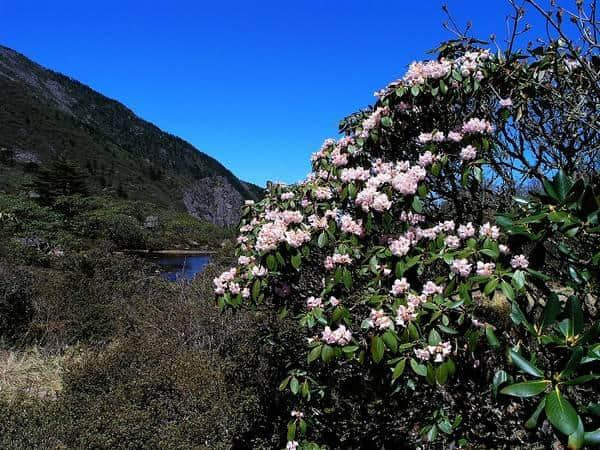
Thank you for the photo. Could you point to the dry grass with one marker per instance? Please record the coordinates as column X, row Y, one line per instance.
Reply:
column 32, row 372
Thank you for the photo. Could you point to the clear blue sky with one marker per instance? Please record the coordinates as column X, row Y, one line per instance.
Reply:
column 256, row 84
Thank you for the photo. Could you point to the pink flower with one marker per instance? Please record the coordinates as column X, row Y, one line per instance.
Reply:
column 313, row 302
column 296, row 238
column 400, row 287
column 452, row 242
column 400, row 246
column 381, row 203
column 468, row 153
column 380, row 320
column 244, row 260
column 519, row 261
column 405, row 315
column 466, row 231
column 506, row 102
column 333, row 301
column 461, row 267
column 504, row 249
column 259, row 271
column 485, row 269
column 426, row 159
column 292, row 445
column 318, row 223
column 287, row 196
column 341, row 336
column 348, row 225
column 475, row 125
column 431, row 288
column 490, row 231
column 455, row 136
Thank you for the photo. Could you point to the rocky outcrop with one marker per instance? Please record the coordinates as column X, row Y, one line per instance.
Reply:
column 215, row 200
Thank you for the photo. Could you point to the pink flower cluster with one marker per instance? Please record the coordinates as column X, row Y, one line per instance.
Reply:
column 421, row 71
column 461, row 267
column 337, row 259
column 475, row 125
column 485, row 269
column 438, row 352
column 468, row 153
column 405, row 314
column 370, row 198
column 225, row 281
column 380, row 320
column 341, row 336
column 295, row 238
column 353, row 174
column 349, row 225
column 490, row 231
column 313, row 302
column 400, row 287
column 519, row 261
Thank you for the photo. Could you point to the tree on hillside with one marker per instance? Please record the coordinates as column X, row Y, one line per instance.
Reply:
column 61, row 177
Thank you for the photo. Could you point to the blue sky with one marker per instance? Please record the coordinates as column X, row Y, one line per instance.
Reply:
column 256, row 84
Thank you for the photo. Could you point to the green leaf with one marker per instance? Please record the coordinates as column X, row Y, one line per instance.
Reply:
column 322, row 240
column 314, row 353
column 518, row 279
column 414, row 90
column 491, row 337
column 417, row 205
column 561, row 413
column 347, row 279
column 294, row 385
column 532, row 421
column 284, row 383
column 499, row 379
column 507, row 290
column 575, row 315
column 443, row 87
column 291, row 431
column 525, row 365
column 255, row 289
column 551, row 311
column 434, row 337
column 441, row 374
column 490, row 286
column 577, row 437
column 592, row 437
column 377, row 348
column 526, row 388
column 419, row 369
column 296, row 261
column 390, row 340
column 562, row 184
column 327, row 353
column 399, row 369
column 549, row 188
column 432, row 433
column 271, row 263
column 573, row 362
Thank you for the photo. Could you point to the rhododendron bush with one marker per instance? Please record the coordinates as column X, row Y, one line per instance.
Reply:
column 390, row 260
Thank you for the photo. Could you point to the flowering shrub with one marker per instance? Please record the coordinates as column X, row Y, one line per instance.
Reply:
column 381, row 271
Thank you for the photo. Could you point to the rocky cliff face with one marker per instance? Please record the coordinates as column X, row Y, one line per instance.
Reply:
column 44, row 113
column 214, row 199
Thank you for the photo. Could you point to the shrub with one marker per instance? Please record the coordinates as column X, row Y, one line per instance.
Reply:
column 405, row 304
column 16, row 309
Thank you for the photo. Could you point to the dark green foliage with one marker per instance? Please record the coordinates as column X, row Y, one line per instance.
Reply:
column 16, row 309
column 61, row 177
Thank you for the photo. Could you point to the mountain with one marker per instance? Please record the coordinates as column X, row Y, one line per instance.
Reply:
column 44, row 114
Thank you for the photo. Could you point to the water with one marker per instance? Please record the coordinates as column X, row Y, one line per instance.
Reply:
column 177, row 267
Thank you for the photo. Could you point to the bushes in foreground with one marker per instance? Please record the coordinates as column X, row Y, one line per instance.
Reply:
column 424, row 320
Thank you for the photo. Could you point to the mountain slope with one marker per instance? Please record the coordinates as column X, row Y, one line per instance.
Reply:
column 44, row 113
